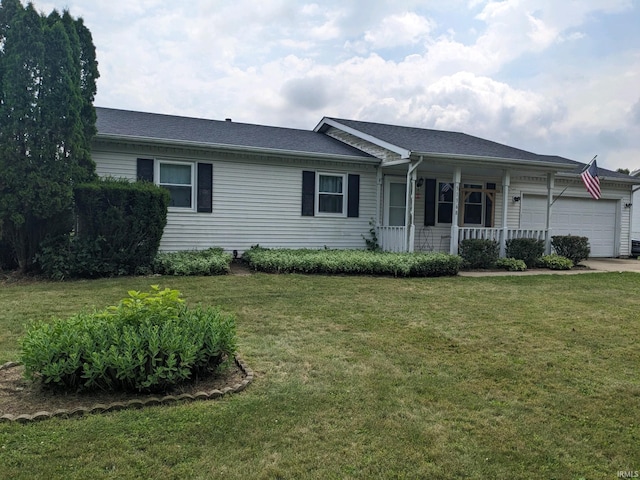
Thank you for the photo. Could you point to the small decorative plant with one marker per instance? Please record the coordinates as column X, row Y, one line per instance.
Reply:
column 556, row 262
column 511, row 264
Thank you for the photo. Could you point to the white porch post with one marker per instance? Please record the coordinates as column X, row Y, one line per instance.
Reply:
column 411, row 206
column 506, row 182
column 453, row 246
column 378, row 196
column 550, row 186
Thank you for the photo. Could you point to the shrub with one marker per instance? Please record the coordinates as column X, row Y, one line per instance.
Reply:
column 120, row 225
column 212, row 261
column 572, row 247
column 555, row 262
column 352, row 262
column 149, row 342
column 479, row 253
column 511, row 264
column 527, row 249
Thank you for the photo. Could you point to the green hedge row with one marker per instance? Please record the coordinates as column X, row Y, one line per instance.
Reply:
column 213, row 261
column 352, row 262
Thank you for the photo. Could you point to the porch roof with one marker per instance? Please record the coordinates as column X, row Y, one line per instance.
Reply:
column 407, row 141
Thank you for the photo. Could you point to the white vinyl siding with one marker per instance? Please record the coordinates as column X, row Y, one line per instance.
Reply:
column 255, row 203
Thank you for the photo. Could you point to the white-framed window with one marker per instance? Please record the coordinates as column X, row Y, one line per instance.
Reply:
column 473, row 199
column 331, row 198
column 179, row 179
column 477, row 202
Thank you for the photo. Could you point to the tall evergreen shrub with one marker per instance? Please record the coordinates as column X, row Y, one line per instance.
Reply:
column 48, row 73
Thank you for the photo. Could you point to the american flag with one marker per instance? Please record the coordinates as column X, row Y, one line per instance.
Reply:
column 590, row 178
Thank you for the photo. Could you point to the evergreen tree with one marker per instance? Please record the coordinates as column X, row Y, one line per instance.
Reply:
column 48, row 73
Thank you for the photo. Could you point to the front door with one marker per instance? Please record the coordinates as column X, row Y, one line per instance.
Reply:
column 395, row 201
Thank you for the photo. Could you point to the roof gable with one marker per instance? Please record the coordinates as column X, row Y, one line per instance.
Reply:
column 428, row 141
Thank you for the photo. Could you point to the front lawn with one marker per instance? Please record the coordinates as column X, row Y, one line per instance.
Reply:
column 368, row 377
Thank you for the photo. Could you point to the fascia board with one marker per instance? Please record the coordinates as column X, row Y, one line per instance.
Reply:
column 630, row 180
column 403, row 152
column 236, row 148
column 503, row 162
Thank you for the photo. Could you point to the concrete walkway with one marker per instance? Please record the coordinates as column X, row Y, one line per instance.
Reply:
column 593, row 265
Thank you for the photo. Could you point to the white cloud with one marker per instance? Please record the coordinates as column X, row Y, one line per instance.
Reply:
column 402, row 29
column 524, row 72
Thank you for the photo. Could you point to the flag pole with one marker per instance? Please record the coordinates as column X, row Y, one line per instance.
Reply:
column 583, row 170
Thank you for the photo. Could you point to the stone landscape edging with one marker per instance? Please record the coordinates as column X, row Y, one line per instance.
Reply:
column 135, row 403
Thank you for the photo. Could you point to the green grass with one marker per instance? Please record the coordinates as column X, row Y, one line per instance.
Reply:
column 359, row 377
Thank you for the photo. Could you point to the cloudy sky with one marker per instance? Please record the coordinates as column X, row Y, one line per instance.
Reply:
column 557, row 77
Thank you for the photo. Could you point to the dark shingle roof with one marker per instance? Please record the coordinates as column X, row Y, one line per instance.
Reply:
column 125, row 123
column 423, row 140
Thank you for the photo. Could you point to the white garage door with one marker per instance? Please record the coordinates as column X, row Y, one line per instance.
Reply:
column 594, row 219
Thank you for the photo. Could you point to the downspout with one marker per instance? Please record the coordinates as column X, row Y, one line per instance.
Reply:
column 550, row 186
column 410, row 202
column 506, row 182
column 455, row 229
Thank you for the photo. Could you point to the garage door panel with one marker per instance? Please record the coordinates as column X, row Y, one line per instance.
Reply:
column 594, row 219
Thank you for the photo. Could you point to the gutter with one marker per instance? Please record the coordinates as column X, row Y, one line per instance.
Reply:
column 498, row 161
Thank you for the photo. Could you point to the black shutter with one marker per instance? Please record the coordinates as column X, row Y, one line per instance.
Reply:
column 145, row 169
column 430, row 201
column 205, row 182
column 353, row 196
column 308, row 193
column 488, row 207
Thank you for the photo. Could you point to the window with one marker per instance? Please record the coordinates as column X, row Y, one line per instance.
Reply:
column 178, row 179
column 476, row 203
column 331, row 194
column 473, row 204
column 445, row 202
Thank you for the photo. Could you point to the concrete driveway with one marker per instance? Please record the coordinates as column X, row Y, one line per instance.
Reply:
column 593, row 265
column 613, row 264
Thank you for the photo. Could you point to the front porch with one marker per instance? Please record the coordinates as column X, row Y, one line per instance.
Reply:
column 394, row 238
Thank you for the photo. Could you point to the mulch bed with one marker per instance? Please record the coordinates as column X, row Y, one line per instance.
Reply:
column 25, row 401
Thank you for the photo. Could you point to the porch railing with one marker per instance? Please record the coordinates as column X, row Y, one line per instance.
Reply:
column 392, row 239
column 465, row 233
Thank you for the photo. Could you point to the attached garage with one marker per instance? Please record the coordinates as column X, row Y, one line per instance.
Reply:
column 595, row 219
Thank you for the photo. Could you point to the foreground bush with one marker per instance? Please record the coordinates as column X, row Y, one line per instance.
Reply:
column 528, row 250
column 572, row 247
column 479, row 253
column 352, row 262
column 149, row 342
column 212, row 261
column 555, row 262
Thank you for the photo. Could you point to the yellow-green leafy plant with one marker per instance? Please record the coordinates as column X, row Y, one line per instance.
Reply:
column 149, row 342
